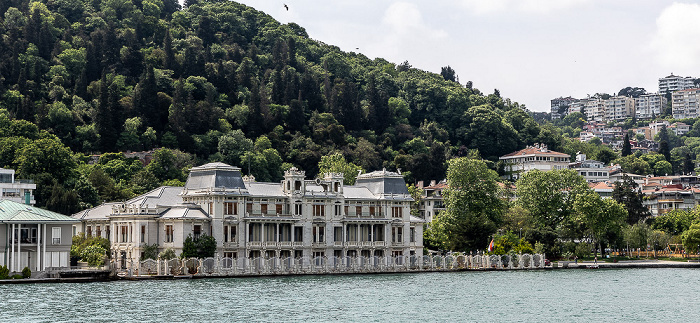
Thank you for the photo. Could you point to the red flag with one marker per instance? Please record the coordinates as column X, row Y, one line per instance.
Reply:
column 491, row 246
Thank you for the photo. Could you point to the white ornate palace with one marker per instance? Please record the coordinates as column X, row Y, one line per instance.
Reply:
column 294, row 218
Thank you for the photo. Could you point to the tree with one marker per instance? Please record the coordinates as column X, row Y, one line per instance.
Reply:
column 449, row 74
column 626, row 147
column 549, row 197
column 603, row 218
column 474, row 208
column 336, row 163
column 627, row 193
column 202, row 247
column 691, row 238
column 663, row 168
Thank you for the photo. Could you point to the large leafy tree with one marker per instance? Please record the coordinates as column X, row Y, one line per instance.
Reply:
column 603, row 218
column 548, row 197
column 474, row 208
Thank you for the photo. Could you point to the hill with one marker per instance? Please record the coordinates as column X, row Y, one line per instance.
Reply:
column 220, row 81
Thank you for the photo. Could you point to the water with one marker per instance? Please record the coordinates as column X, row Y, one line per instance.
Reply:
column 644, row 295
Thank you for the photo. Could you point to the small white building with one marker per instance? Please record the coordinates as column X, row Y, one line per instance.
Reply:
column 16, row 190
column 591, row 170
column 533, row 157
column 432, row 202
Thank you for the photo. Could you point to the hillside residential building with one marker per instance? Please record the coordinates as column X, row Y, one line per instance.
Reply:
column 619, row 108
column 649, row 106
column 594, row 109
column 16, row 190
column 591, row 170
column 670, row 197
column 674, row 83
column 679, row 128
column 33, row 237
column 294, row 218
column 685, row 104
column 432, row 202
column 560, row 106
column 533, row 157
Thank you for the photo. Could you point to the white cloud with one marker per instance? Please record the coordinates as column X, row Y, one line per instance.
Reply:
column 676, row 39
column 481, row 7
column 406, row 19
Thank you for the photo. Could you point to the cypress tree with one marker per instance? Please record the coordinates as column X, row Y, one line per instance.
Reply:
column 626, row 146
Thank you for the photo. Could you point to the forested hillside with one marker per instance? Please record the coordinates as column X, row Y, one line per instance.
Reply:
column 220, row 81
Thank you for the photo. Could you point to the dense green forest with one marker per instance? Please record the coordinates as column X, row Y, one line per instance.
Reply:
column 220, row 81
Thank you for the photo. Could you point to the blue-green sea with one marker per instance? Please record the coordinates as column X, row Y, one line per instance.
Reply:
column 606, row 295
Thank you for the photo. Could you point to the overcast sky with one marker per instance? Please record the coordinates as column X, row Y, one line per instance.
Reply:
column 531, row 50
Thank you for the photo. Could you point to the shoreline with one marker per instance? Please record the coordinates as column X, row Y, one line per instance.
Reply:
column 630, row 264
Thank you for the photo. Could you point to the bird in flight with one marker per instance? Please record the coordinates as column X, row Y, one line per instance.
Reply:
column 286, row 7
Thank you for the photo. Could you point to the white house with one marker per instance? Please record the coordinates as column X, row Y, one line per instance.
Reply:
column 33, row 237
column 534, row 157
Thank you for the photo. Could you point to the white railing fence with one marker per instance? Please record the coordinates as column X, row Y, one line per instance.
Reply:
column 225, row 266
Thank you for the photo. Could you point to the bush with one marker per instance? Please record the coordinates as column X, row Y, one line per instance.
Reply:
column 17, row 276
column 80, row 242
column 149, row 251
column 94, row 255
column 26, row 272
column 4, row 272
column 167, row 254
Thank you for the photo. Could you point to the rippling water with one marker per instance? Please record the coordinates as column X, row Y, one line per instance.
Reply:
column 573, row 295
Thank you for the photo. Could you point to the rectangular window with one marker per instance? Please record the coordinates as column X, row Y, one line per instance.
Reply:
column 99, row 232
column 169, row 233
column 338, row 234
column 346, row 210
column 56, row 235
column 230, row 208
column 143, row 233
column 232, row 233
column 358, row 210
column 108, row 231
column 249, row 207
column 89, row 231
column 196, row 231
column 337, row 210
column 124, row 233
column 319, row 232
column 319, row 210
column 397, row 234
column 298, row 234
column 397, row 212
column 278, row 209
column 297, row 209
column 263, row 208
column 226, row 233
column 413, row 234
column 371, row 210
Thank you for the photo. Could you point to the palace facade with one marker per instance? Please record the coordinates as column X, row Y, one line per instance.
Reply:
column 294, row 218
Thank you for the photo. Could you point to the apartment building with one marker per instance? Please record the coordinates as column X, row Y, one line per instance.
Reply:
column 649, row 106
column 672, row 83
column 684, row 103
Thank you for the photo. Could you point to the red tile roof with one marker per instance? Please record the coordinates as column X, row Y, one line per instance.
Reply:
column 536, row 151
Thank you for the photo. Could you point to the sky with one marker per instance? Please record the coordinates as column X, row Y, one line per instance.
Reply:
column 530, row 50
